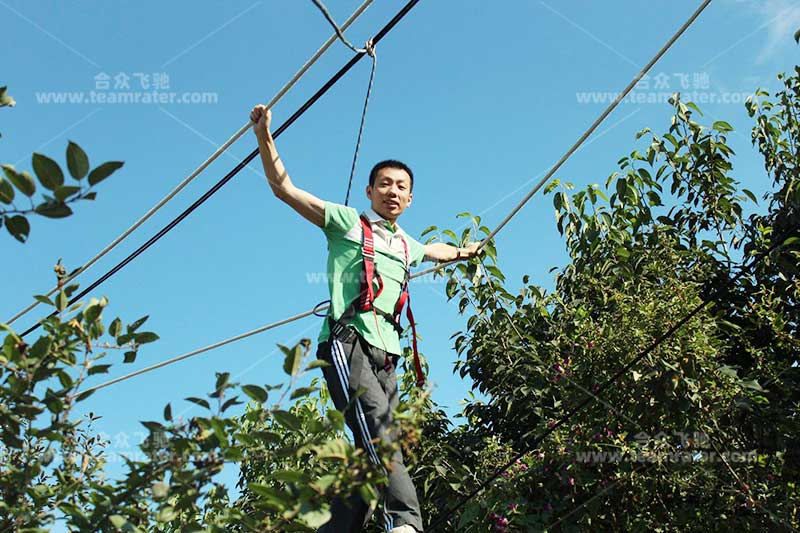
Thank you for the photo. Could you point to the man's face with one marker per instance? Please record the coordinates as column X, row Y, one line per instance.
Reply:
column 391, row 193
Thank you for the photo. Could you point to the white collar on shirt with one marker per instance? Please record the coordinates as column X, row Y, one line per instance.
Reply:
column 385, row 239
column 373, row 216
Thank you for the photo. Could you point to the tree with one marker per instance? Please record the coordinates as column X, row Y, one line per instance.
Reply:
column 702, row 432
column 52, row 462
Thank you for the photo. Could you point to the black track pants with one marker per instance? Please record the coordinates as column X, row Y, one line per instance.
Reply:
column 354, row 365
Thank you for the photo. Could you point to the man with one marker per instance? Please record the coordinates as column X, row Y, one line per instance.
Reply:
column 360, row 338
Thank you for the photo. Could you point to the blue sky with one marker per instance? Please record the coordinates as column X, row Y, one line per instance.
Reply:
column 479, row 98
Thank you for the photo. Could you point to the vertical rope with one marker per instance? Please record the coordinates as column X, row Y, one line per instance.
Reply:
column 371, row 52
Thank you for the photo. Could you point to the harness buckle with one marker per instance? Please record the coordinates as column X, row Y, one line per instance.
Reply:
column 342, row 332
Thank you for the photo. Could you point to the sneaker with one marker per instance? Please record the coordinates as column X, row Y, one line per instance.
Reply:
column 404, row 529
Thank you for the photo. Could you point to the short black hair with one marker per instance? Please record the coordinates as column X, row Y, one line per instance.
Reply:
column 390, row 163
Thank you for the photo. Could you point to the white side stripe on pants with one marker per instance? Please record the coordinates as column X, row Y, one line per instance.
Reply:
column 343, row 371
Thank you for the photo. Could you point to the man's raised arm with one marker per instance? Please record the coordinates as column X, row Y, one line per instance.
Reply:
column 305, row 203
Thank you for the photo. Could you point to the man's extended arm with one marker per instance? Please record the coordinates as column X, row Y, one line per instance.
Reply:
column 305, row 203
column 439, row 251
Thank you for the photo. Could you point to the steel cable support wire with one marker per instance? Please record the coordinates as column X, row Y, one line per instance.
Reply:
column 519, row 206
column 283, row 127
column 196, row 172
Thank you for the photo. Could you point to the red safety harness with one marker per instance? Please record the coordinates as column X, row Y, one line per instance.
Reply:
column 365, row 301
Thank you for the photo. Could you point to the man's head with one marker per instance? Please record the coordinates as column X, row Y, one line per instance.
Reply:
column 389, row 189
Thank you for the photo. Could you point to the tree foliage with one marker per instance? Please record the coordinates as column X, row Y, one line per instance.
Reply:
column 702, row 432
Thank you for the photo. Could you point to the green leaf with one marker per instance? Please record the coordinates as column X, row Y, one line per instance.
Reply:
column 199, row 401
column 130, row 357
column 168, row 412
column 6, row 191
column 255, row 392
column 40, row 348
column 21, row 180
column 265, row 491
column 115, row 328
column 722, row 126
column 53, row 210
column 267, row 437
column 230, row 402
column 450, row 234
column 145, row 337
column 122, row 524
column 92, row 311
column 752, row 384
column 302, row 391
column 65, row 191
column 427, row 230
column 286, row 419
column 18, row 227
column 218, row 425
column 317, row 363
column 41, row 298
column 291, row 363
column 315, row 518
column 61, row 301
column 750, row 195
column 552, row 185
column 692, row 105
column 135, row 325
column 103, row 171
column 796, row 37
column 289, row 476
column 48, row 171
column 152, row 425
column 166, row 514
column 99, row 369
column 323, row 482
column 77, row 161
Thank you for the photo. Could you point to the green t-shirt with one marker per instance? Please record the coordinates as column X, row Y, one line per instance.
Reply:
column 343, row 231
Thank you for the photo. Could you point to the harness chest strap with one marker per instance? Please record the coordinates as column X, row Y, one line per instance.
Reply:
column 368, row 294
